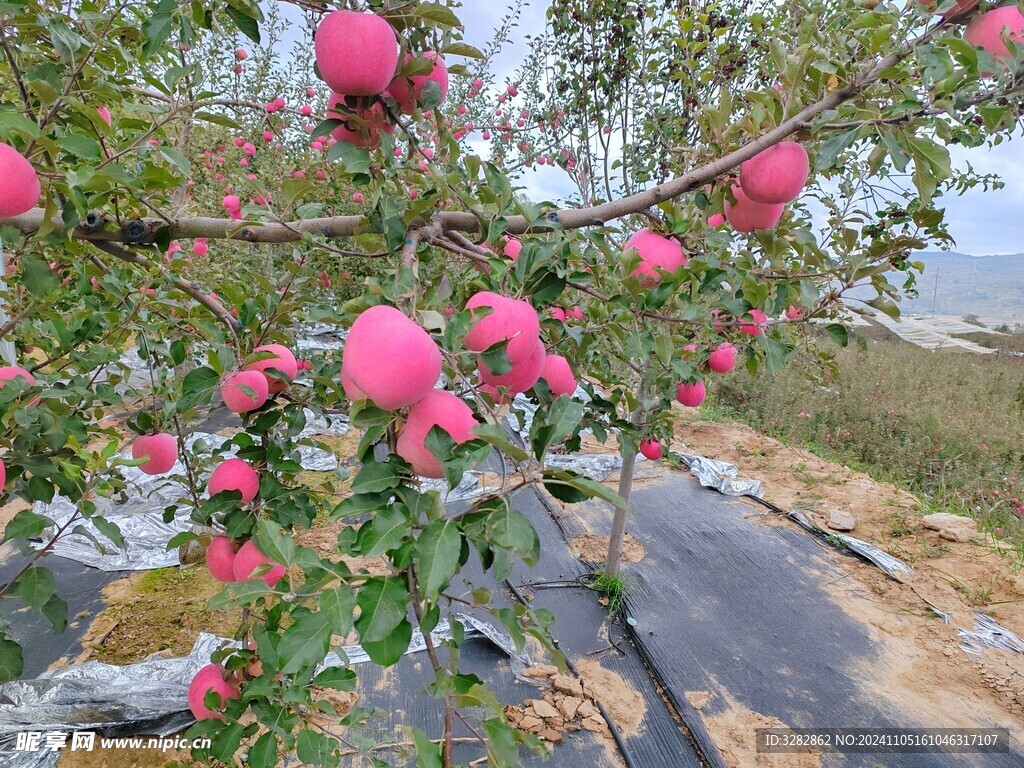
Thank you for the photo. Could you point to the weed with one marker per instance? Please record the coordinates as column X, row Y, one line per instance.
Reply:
column 612, row 587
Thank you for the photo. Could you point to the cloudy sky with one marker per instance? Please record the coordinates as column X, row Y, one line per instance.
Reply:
column 981, row 222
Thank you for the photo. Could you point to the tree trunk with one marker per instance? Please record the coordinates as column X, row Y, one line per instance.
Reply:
column 613, row 564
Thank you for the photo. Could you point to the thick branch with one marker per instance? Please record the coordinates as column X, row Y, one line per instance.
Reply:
column 568, row 218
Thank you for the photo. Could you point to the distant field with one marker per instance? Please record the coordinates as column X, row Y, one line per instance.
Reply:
column 947, row 426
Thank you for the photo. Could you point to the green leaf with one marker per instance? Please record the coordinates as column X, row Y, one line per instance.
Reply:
column 377, row 476
column 26, row 525
column 438, row 14
column 218, row 119
column 56, row 612
column 155, row 30
column 338, row 678
column 438, row 549
column 36, row 586
column 276, row 545
column 838, row 333
column 832, row 147
column 382, row 607
column 305, row 643
column 263, row 754
column 389, row 650
column 557, row 424
column 428, row 754
column 463, row 49
column 510, row 529
column 246, row 24
column 12, row 664
column 37, row 276
column 353, row 159
column 338, row 606
column 565, row 485
column 384, row 532
column 109, row 529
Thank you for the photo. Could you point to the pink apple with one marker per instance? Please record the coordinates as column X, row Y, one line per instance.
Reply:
column 716, row 220
column 523, row 375
column 777, row 174
column 440, row 408
column 407, row 91
column 691, row 395
column 220, row 558
column 161, row 450
column 655, row 252
column 8, row 372
column 361, row 124
column 249, row 558
column 356, row 53
column 746, row 215
column 20, row 189
column 723, row 359
column 389, row 359
column 509, row 319
column 986, row 30
column 283, row 362
column 104, row 114
column 558, row 375
column 651, row 449
column 241, row 54
column 234, row 475
column 512, row 247
column 210, row 678
column 244, row 391
column 757, row 327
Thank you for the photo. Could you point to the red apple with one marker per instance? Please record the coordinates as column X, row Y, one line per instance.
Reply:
column 210, row 678
column 220, row 558
column 558, row 375
column 986, row 30
column 161, row 450
column 443, row 409
column 361, row 124
column 509, row 319
column 746, row 215
column 777, row 174
column 245, row 391
column 691, row 395
column 723, row 359
column 656, row 252
column 234, row 475
column 20, row 190
column 389, row 359
column 651, row 449
column 283, row 362
column 523, row 376
column 356, row 53
column 407, row 91
column 249, row 558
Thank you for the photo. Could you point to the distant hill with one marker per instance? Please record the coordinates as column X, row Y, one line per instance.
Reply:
column 986, row 286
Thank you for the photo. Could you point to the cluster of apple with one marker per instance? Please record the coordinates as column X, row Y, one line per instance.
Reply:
column 357, row 56
column 395, row 364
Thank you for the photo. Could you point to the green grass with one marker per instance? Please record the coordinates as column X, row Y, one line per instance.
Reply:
column 612, row 587
column 947, row 427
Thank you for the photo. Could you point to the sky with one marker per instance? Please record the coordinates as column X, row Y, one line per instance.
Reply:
column 982, row 223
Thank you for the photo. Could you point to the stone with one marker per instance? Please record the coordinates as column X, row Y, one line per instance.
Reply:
column 543, row 709
column 549, row 734
column 567, row 684
column 841, row 520
column 531, row 724
column 951, row 527
column 587, row 710
column 541, row 671
column 569, row 706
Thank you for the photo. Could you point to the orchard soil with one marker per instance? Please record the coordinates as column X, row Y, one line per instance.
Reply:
column 163, row 611
column 954, row 577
